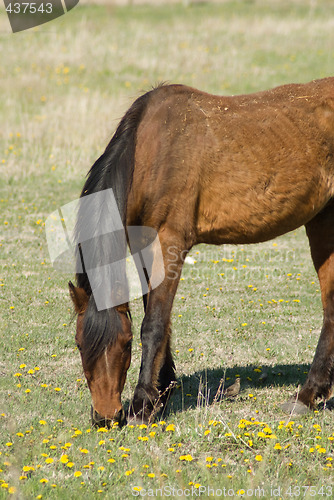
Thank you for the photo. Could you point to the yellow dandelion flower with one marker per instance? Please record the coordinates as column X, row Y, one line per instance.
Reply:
column 187, row 458
column 170, row 428
column 27, row 468
column 103, row 429
column 258, row 458
column 49, row 460
column 151, row 474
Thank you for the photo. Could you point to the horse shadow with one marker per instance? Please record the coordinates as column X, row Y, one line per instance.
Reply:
column 205, row 387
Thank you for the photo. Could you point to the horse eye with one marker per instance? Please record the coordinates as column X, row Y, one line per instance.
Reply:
column 128, row 345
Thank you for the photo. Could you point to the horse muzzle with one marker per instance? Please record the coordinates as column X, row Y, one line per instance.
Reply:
column 99, row 421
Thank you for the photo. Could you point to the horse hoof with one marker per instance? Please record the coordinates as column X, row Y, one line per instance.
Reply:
column 295, row 407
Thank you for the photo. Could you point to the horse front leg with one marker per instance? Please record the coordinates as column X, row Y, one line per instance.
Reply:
column 157, row 370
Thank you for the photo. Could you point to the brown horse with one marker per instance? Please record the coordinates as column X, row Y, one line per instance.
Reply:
column 200, row 168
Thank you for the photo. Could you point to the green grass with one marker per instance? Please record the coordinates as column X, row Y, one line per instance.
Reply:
column 253, row 311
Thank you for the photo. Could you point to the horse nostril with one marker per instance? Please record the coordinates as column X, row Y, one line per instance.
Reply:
column 120, row 417
column 100, row 421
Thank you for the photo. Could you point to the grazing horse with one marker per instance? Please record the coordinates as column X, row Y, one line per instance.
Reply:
column 201, row 168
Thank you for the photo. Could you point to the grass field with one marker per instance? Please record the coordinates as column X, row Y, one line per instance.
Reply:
column 253, row 311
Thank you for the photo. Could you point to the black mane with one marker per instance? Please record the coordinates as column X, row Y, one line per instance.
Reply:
column 114, row 169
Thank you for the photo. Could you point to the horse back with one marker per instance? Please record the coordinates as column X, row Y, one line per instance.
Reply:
column 237, row 169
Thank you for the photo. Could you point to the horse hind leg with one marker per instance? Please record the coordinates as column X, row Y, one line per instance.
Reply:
column 320, row 379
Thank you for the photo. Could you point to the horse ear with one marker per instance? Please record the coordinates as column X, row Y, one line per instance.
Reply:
column 79, row 297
